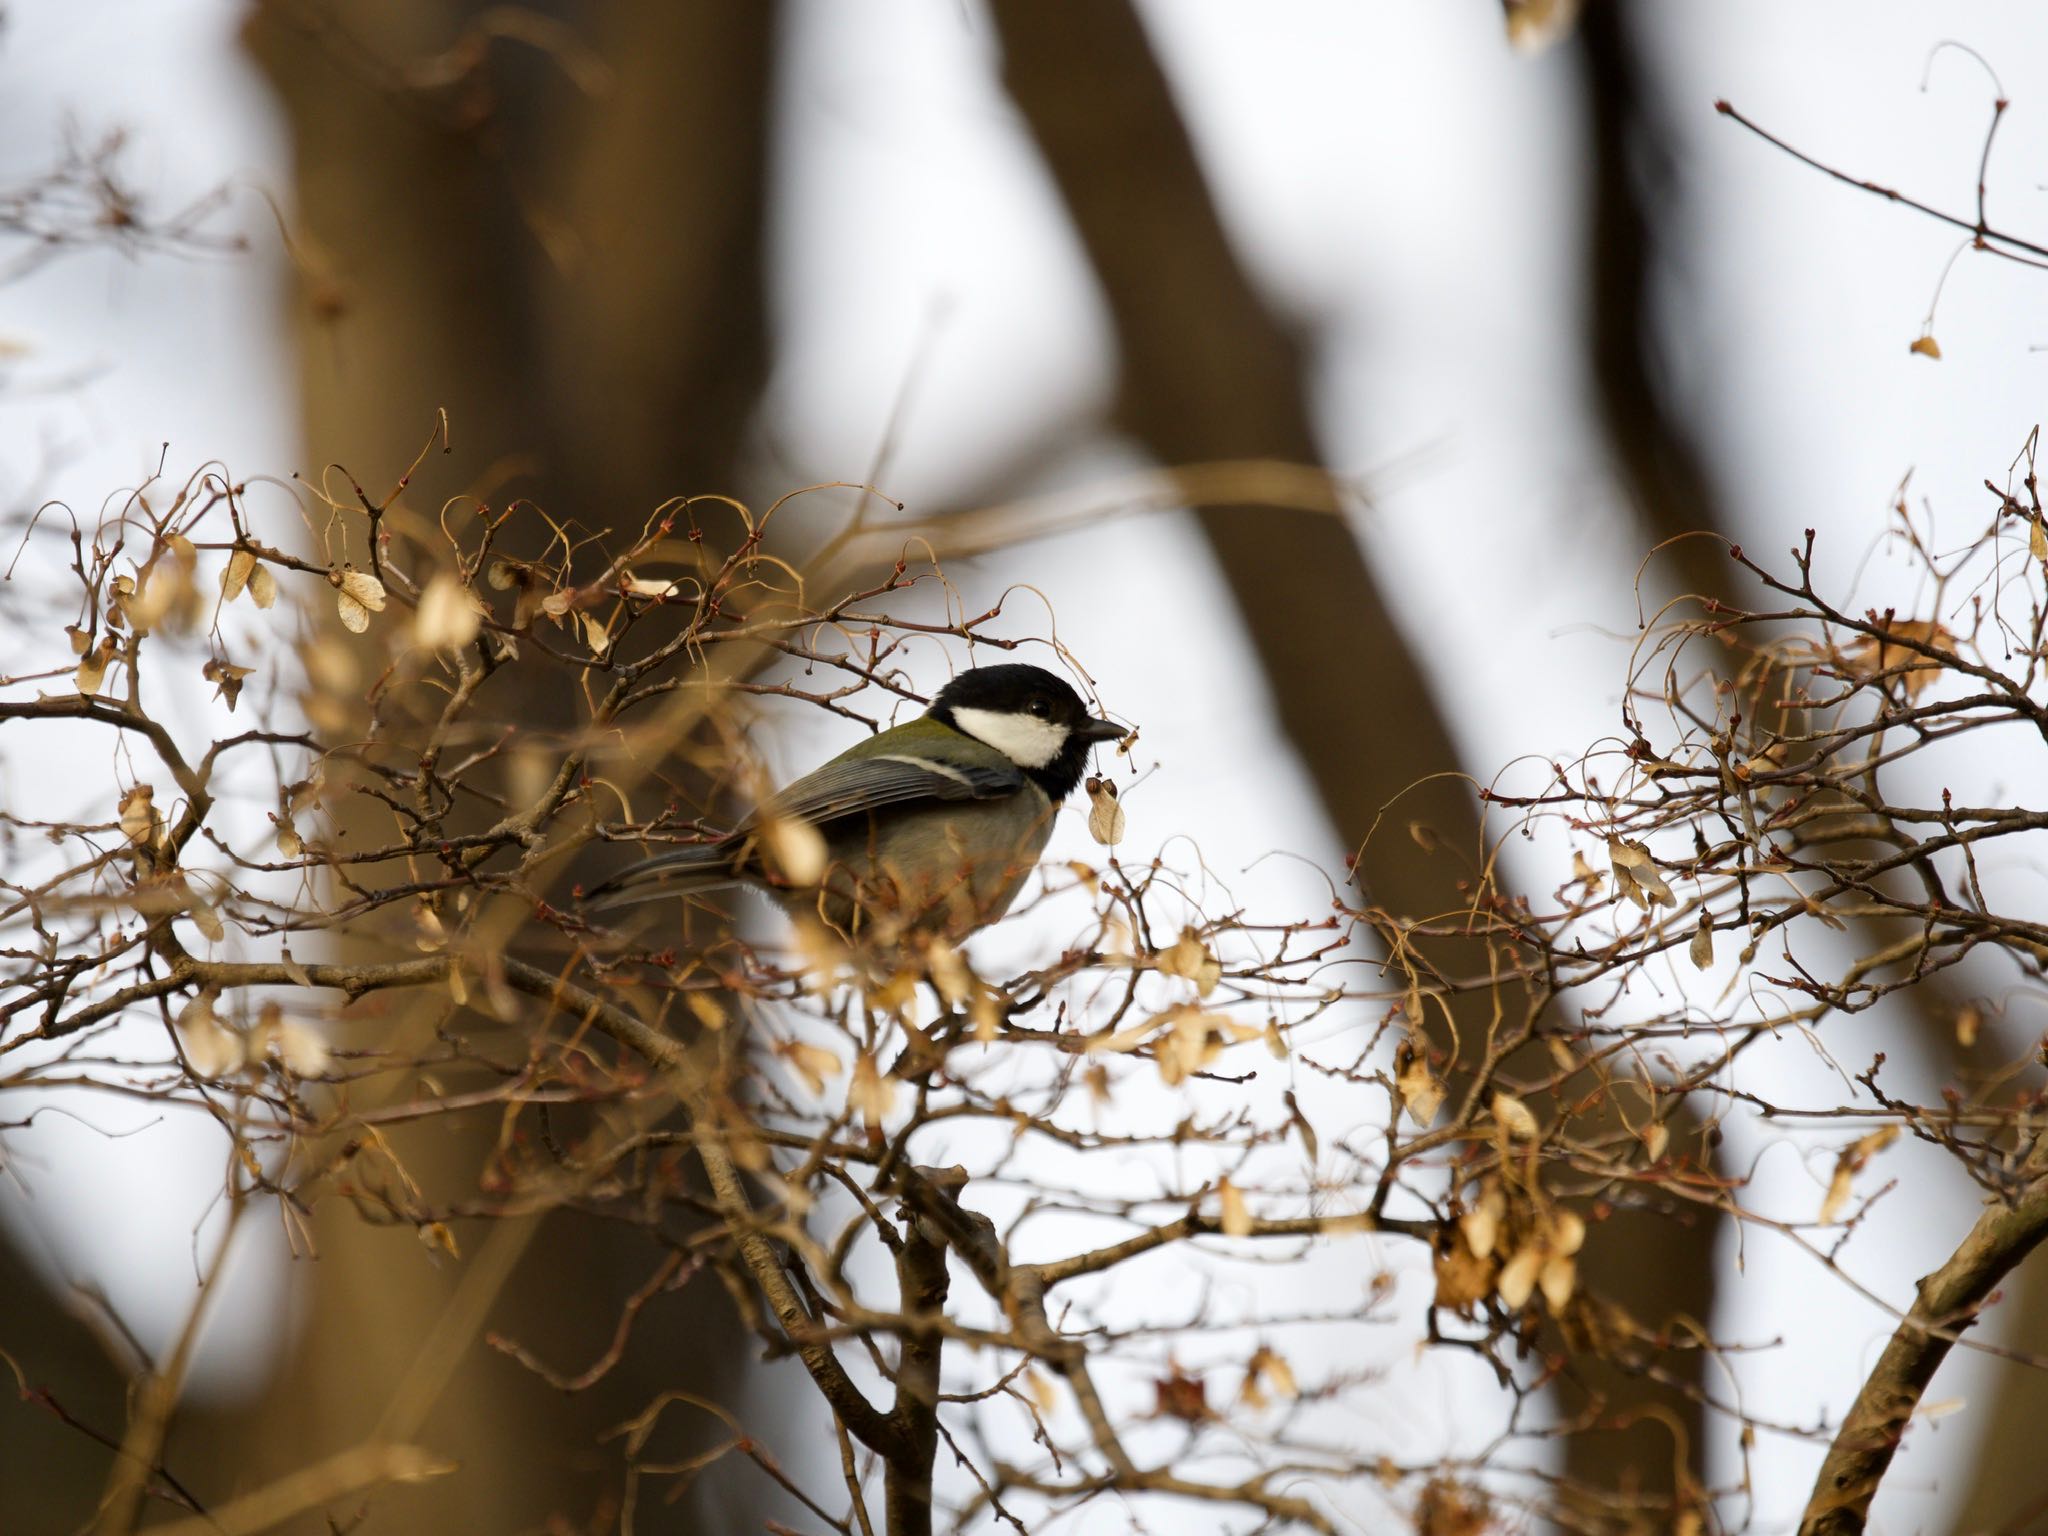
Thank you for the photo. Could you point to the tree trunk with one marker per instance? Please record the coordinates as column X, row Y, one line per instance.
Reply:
column 1208, row 372
column 577, row 281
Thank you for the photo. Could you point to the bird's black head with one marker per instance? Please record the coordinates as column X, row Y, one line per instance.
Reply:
column 1031, row 717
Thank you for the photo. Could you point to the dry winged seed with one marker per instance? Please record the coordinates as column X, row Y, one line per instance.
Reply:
column 1105, row 813
column 447, row 618
column 241, row 566
column 1188, row 957
column 1421, row 1092
column 1235, row 1215
column 360, row 595
column 1513, row 1116
column 139, row 820
column 871, row 1095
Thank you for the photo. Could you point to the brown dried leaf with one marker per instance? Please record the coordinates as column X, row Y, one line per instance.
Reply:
column 1189, row 957
column 1837, row 1197
column 206, row 920
column 357, row 596
column 92, row 671
column 1451, row 1508
column 1234, row 1215
column 212, row 1050
column 449, row 615
column 1189, row 1046
column 262, row 586
column 895, row 993
column 430, row 935
column 1926, row 346
column 987, row 1012
column 1969, row 1023
column 1701, row 950
column 1850, row 1162
column 1181, row 1396
column 1871, row 656
column 1636, row 875
column 241, row 566
column 949, row 974
column 1422, row 1092
column 871, row 1095
column 1518, row 1276
column 298, row 1048
column 140, row 823
column 167, row 595
column 650, row 586
column 1557, row 1279
column 1105, row 812
column 1462, row 1277
column 1480, row 1226
column 1038, row 1390
column 1514, row 1118
column 812, row 1063
column 1270, row 1364
column 227, row 679
column 796, row 850
column 1266, row 1369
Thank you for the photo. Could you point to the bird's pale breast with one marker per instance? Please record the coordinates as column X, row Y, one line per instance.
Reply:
column 945, row 868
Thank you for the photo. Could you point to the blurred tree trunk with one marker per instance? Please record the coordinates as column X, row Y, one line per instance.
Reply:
column 1633, row 200
column 576, row 277
column 1208, row 372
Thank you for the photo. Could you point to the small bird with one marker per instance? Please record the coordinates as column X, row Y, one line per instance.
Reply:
column 929, row 827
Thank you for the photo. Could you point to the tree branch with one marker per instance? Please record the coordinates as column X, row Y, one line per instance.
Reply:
column 1947, row 1303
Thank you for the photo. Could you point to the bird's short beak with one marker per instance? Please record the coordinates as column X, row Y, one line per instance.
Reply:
column 1101, row 730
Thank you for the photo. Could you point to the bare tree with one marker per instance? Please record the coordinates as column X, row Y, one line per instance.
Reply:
column 970, row 1326
column 1011, row 1238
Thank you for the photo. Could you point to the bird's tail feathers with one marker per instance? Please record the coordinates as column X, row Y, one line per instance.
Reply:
column 681, row 872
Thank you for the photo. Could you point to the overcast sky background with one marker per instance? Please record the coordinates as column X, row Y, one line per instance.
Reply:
column 1402, row 183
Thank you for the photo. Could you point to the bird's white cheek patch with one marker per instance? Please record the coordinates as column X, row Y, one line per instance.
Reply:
column 1025, row 740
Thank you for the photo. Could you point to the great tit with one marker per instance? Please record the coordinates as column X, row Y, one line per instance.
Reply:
column 929, row 827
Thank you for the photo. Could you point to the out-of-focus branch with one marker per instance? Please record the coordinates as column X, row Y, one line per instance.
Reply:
column 1947, row 1304
column 348, row 1472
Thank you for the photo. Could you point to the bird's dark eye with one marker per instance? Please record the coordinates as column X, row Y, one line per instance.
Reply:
column 1041, row 707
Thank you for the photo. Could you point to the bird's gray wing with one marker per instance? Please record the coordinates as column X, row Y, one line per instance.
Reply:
column 858, row 785
column 853, row 786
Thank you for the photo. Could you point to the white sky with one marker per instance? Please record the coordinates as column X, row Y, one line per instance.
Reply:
column 1399, row 179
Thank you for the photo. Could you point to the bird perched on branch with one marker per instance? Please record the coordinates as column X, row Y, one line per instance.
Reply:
column 931, row 826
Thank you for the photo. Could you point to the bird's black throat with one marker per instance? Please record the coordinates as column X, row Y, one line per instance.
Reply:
column 1062, row 775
